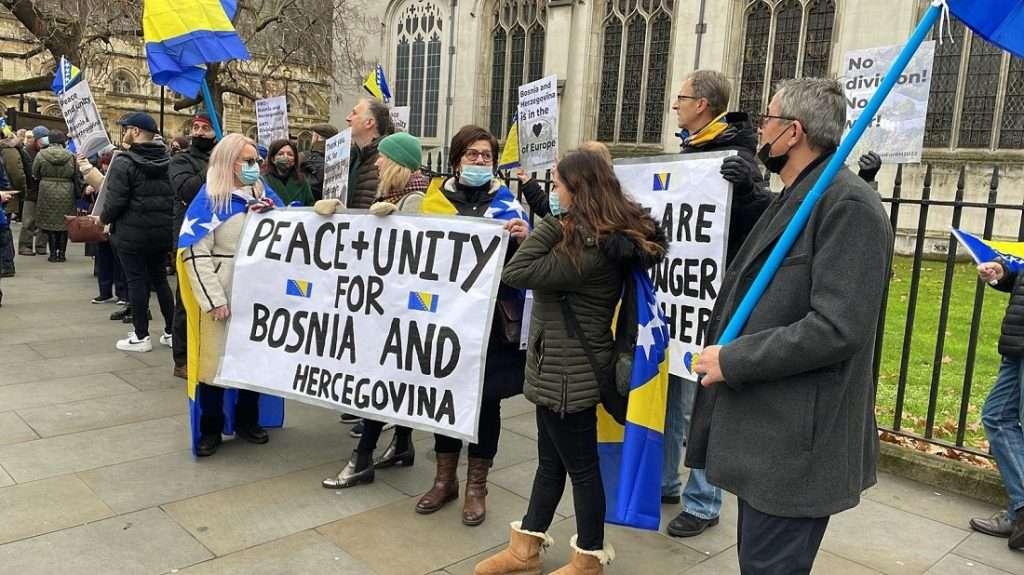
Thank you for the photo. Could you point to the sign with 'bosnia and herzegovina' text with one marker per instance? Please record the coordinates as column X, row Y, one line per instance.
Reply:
column 387, row 318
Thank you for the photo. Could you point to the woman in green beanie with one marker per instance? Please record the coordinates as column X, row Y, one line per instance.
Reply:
column 284, row 176
column 401, row 189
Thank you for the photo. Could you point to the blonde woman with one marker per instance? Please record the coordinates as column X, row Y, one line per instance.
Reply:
column 207, row 245
column 400, row 189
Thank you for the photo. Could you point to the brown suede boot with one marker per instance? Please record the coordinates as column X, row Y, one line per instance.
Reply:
column 584, row 562
column 446, row 485
column 474, row 507
column 521, row 557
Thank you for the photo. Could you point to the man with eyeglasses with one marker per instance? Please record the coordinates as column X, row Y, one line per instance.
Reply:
column 784, row 414
column 139, row 206
column 705, row 126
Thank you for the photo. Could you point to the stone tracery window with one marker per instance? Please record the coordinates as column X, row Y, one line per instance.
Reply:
column 419, row 30
column 517, row 56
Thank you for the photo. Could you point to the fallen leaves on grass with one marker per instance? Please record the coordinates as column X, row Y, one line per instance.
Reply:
column 933, row 449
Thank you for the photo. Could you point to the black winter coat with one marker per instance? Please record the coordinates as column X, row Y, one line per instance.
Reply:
column 363, row 177
column 1011, row 336
column 313, row 170
column 140, row 203
column 187, row 173
column 748, row 203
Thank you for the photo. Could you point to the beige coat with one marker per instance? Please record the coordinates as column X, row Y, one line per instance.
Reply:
column 210, row 265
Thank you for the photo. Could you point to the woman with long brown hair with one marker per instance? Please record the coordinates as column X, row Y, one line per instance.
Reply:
column 582, row 254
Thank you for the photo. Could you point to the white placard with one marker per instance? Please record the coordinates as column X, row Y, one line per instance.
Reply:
column 272, row 119
column 692, row 200
column 85, row 126
column 381, row 317
column 400, row 118
column 897, row 132
column 538, row 124
column 337, row 151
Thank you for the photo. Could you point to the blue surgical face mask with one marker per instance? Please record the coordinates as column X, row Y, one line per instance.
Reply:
column 554, row 203
column 475, row 176
column 250, row 174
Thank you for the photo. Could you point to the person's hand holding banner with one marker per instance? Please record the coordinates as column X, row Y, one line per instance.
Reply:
column 220, row 313
column 869, row 165
column 261, row 206
column 518, row 228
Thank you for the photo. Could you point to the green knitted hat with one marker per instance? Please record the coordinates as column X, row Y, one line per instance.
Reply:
column 403, row 149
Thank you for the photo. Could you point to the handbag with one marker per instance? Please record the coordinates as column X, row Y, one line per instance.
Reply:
column 508, row 321
column 83, row 229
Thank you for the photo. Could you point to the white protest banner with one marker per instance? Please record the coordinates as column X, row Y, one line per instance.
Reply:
column 400, row 118
column 382, row 317
column 85, row 127
column 336, row 157
column 538, row 124
column 272, row 119
column 692, row 201
column 897, row 132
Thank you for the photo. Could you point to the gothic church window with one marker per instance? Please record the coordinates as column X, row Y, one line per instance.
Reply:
column 122, row 83
column 419, row 32
column 517, row 56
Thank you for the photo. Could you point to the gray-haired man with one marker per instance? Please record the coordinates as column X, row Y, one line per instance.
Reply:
column 784, row 417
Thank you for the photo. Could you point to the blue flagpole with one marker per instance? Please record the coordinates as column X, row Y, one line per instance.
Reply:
column 212, row 111
column 796, row 225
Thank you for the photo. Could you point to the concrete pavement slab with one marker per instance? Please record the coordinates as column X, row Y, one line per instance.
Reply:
column 38, row 507
column 154, row 378
column 956, row 565
column 233, row 519
column 991, row 551
column 29, row 395
column 13, row 429
column 19, row 352
column 104, row 412
column 48, row 369
column 952, row 509
column 300, row 554
column 525, row 425
column 519, row 480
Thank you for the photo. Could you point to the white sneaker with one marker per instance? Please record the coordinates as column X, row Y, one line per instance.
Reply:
column 167, row 339
column 133, row 344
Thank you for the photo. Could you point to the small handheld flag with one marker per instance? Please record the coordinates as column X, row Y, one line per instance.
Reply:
column 981, row 250
column 66, row 76
column 377, row 85
column 510, row 153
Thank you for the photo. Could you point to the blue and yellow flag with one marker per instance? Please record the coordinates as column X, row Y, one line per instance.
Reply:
column 1011, row 253
column 423, row 301
column 631, row 455
column 66, row 76
column 998, row 21
column 510, row 153
column 183, row 35
column 377, row 85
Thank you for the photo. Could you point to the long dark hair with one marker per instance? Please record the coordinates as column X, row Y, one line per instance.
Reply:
column 275, row 147
column 599, row 206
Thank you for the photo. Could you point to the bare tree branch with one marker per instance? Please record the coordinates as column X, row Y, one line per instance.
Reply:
column 15, row 87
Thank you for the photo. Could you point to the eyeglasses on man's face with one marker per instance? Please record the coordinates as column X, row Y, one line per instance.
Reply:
column 761, row 119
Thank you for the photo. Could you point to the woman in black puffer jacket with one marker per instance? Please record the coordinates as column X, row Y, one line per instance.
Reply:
column 583, row 253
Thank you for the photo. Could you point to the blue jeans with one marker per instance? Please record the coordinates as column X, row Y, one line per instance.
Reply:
column 1001, row 417
column 700, row 498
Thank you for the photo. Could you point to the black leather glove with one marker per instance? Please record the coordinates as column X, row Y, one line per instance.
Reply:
column 869, row 164
column 741, row 172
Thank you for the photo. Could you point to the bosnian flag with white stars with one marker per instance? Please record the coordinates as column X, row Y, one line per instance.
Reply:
column 505, row 206
column 201, row 218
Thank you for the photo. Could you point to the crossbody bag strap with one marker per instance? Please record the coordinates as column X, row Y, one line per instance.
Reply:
column 573, row 329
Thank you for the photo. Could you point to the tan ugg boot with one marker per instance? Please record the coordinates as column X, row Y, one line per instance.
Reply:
column 585, row 562
column 521, row 557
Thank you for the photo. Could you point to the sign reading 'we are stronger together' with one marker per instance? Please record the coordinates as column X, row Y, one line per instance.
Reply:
column 384, row 317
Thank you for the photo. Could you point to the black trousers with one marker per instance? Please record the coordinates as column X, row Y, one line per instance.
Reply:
column 371, row 434
column 57, row 241
column 773, row 545
column 211, row 401
column 179, row 349
column 6, row 248
column 486, row 446
column 109, row 274
column 568, row 445
column 145, row 270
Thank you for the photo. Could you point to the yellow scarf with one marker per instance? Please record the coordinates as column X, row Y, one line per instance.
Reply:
column 708, row 133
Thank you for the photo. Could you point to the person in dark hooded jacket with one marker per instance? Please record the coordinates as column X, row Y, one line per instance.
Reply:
column 582, row 252
column 139, row 207
column 313, row 162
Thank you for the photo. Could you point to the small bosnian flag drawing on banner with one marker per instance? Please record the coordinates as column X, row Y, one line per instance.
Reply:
column 423, row 301
column 661, row 180
column 299, row 288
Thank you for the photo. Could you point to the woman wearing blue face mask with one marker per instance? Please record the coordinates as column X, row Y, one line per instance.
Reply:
column 474, row 191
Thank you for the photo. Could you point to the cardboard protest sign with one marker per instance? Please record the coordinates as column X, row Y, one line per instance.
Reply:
column 388, row 318
column 337, row 150
column 271, row 120
column 400, row 118
column 692, row 201
column 538, row 124
column 897, row 132
column 85, row 126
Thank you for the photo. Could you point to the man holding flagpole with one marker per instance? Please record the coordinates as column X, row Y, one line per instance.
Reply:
column 784, row 417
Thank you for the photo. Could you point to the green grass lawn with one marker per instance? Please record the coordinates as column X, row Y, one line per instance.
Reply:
column 922, row 350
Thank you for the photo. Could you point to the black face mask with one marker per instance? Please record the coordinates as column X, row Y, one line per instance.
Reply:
column 202, row 144
column 773, row 163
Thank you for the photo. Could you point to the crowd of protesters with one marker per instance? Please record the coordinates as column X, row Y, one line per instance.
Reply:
column 745, row 427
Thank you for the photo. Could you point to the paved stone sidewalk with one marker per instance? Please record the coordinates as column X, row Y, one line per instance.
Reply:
column 96, row 477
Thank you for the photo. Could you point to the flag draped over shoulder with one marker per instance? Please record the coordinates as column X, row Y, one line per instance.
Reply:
column 1011, row 253
column 377, row 84
column 183, row 35
column 200, row 220
column 998, row 21
column 66, row 76
column 631, row 455
column 504, row 206
column 510, row 153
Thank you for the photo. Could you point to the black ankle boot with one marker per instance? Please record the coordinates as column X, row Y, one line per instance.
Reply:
column 397, row 454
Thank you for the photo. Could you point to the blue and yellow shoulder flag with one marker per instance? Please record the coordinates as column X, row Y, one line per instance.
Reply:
column 66, row 76
column 1012, row 253
column 631, row 455
column 377, row 85
column 183, row 35
column 510, row 153
column 998, row 21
